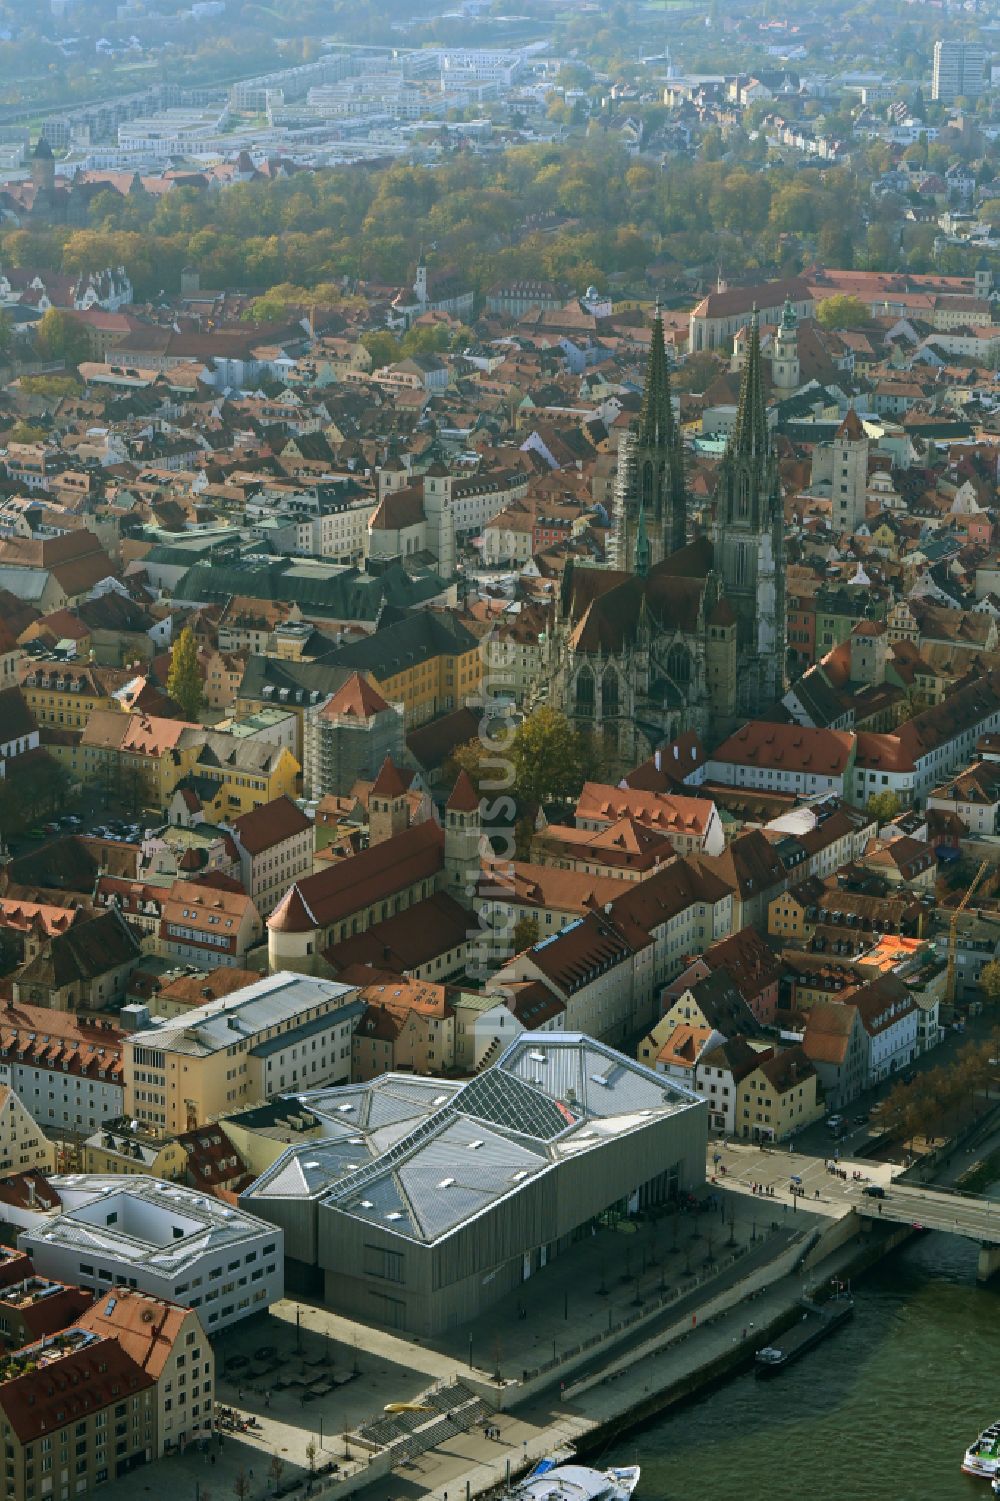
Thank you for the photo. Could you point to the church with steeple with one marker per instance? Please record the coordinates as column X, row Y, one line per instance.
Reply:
column 678, row 634
column 649, row 494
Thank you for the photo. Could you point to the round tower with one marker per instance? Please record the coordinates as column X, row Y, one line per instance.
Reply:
column 43, row 166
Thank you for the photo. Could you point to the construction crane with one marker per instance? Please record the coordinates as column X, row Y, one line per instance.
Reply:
column 949, row 993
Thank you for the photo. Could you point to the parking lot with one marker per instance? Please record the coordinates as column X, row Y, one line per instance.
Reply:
column 93, row 821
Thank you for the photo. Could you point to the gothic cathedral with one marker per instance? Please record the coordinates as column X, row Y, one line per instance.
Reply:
column 676, row 634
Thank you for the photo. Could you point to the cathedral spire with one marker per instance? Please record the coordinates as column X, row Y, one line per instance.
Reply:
column 750, row 437
column 656, row 416
column 642, row 551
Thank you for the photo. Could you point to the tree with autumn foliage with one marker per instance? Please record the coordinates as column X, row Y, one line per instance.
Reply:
column 184, row 678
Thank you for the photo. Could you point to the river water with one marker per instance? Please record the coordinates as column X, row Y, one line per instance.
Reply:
column 880, row 1411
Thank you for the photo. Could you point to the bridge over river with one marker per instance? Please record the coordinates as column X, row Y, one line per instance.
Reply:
column 794, row 1180
column 970, row 1215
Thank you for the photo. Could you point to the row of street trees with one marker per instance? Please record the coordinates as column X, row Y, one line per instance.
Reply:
column 940, row 1097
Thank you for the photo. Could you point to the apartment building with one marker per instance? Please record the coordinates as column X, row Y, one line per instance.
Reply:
column 22, row 1144
column 66, row 1068
column 778, row 1097
column 785, row 758
column 66, row 694
column 168, row 1342
column 959, row 70
column 276, row 844
column 76, row 1411
column 286, row 1031
column 208, row 922
column 36, row 1307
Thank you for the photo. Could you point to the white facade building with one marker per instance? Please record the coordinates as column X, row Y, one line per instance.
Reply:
column 163, row 1239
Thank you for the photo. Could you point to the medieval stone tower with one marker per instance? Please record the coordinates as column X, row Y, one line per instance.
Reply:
column 650, row 498
column 749, row 542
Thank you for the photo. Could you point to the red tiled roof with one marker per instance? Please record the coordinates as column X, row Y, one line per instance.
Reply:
column 463, row 797
column 388, row 783
column 356, row 699
column 70, row 1387
column 408, row 939
column 262, row 828
column 663, row 811
column 144, row 1326
column 352, row 885
column 790, row 747
column 851, row 427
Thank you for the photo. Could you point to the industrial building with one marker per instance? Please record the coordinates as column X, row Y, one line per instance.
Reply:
column 433, row 1201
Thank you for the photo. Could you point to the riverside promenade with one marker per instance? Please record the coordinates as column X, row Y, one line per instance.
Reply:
column 623, row 1324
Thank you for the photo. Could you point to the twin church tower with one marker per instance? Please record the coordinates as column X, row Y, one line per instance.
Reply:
column 677, row 633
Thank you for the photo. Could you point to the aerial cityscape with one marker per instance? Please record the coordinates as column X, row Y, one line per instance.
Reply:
column 499, row 750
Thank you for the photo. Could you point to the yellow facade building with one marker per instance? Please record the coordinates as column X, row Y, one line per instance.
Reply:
column 779, row 1098
column 248, row 772
column 286, row 1032
column 137, row 751
column 147, row 758
column 430, row 663
column 66, row 694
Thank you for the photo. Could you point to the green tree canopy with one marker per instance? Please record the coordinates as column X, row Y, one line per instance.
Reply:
column 842, row 311
column 26, row 432
column 526, row 932
column 184, row 677
column 53, row 386
column 60, row 337
column 989, row 981
column 382, row 346
column 884, row 806
column 551, row 758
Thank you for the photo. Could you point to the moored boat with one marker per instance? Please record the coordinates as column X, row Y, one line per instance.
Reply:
column 982, row 1457
column 817, row 1321
column 552, row 1481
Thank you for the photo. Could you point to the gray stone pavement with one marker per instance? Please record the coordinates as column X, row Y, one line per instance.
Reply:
column 740, row 1166
column 604, row 1279
column 563, row 1305
column 539, row 1428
